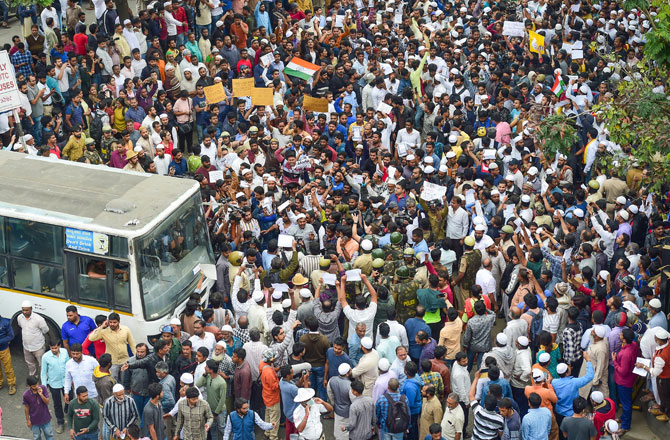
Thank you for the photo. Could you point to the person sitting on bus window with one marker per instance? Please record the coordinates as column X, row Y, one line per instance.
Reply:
column 96, row 269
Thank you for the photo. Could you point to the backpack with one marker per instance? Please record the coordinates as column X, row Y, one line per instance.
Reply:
column 535, row 326
column 397, row 418
column 96, row 127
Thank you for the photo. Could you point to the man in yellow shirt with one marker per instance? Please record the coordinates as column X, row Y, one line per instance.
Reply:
column 116, row 337
column 74, row 149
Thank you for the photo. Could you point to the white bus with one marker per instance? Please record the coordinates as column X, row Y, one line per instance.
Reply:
column 101, row 239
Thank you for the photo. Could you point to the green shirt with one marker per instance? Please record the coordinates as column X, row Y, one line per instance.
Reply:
column 216, row 392
column 83, row 415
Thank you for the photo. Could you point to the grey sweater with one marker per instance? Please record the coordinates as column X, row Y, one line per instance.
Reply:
column 477, row 335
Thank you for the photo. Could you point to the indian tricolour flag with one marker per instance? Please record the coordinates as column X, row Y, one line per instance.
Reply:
column 559, row 86
column 301, row 69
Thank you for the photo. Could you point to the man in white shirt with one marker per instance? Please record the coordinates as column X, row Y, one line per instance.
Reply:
column 162, row 160
column 460, row 382
column 201, row 338
column 408, row 136
column 485, row 280
column 307, row 423
column 396, row 329
column 458, row 221
column 361, row 313
column 79, row 372
column 33, row 328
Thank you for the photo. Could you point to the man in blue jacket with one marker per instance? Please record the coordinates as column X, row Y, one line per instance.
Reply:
column 6, row 336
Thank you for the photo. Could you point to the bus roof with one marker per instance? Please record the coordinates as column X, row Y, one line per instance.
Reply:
column 78, row 195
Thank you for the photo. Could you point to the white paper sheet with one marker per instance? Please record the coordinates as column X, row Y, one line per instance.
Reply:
column 209, row 270
column 514, row 29
column 384, row 108
column 215, row 175
column 339, row 21
column 470, row 197
column 283, row 206
column 431, row 191
column 640, row 371
column 267, row 59
column 280, row 287
column 328, row 278
column 353, row 275
column 284, row 241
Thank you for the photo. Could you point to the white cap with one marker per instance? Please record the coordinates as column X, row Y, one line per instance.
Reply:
column 453, row 138
column 343, row 368
column 599, row 330
column 624, row 214
column 175, row 321
column 604, row 274
column 137, row 149
column 428, row 159
column 480, row 228
column 578, row 213
column 117, row 388
column 258, row 296
column 495, row 192
column 429, row 170
column 523, row 341
column 410, row 157
column 561, row 368
column 366, row 342
column 305, row 293
column 479, row 182
column 597, row 397
column 493, row 166
column 525, row 198
column 544, row 357
column 532, row 171
column 661, row 333
column 538, row 375
column 633, row 209
column 621, row 200
column 219, row 23
column 169, row 67
column 26, row 305
column 450, row 154
column 655, row 303
column 245, row 171
column 631, row 307
column 286, row 303
column 227, row 328
column 501, row 339
column 304, row 394
column 221, row 343
column 384, row 364
column 187, row 378
column 240, row 194
column 160, row 146
column 444, row 169
column 509, row 177
column 276, row 295
column 612, row 426
column 127, row 21
column 366, row 245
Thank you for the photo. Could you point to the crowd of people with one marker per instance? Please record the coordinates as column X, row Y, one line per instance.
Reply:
column 410, row 263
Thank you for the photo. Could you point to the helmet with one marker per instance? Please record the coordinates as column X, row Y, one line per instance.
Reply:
column 324, row 263
column 378, row 254
column 469, row 241
column 402, row 272
column 396, row 237
column 408, row 253
column 481, row 132
column 371, row 238
column 378, row 263
column 235, row 258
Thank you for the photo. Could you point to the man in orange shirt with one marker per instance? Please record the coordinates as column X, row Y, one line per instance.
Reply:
column 544, row 389
column 542, row 364
column 240, row 30
column 271, row 391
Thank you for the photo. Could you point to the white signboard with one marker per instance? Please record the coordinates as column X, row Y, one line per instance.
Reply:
column 514, row 29
column 432, row 191
column 9, row 90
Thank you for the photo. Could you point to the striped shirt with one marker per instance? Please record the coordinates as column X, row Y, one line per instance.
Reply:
column 487, row 424
column 120, row 414
column 309, row 264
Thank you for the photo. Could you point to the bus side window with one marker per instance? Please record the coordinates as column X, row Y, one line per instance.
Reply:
column 121, row 287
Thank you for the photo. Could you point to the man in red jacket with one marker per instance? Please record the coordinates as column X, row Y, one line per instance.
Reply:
column 604, row 409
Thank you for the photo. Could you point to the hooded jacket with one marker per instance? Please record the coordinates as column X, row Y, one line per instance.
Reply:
column 104, row 382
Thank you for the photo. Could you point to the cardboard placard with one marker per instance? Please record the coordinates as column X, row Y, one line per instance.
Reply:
column 243, row 87
column 514, row 29
column 215, row 94
column 262, row 96
column 315, row 104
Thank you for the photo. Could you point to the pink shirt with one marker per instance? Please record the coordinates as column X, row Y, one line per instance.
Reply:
column 183, row 105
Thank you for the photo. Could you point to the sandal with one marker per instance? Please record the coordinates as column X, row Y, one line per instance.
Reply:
column 5, row 25
column 647, row 398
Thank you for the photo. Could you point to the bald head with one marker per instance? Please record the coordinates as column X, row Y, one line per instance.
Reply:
column 243, row 322
column 515, row 312
column 486, row 263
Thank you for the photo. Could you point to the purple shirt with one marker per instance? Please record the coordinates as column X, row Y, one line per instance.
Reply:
column 428, row 352
column 38, row 410
column 614, row 341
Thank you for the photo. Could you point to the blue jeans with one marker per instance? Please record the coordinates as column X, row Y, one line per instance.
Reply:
column 626, row 398
column 471, row 359
column 106, row 432
column 611, row 383
column 219, row 425
column 47, row 429
column 88, row 436
column 200, row 27
column 140, row 402
column 414, row 427
column 180, row 39
column 316, row 377
column 4, row 10
column 390, row 436
column 37, row 129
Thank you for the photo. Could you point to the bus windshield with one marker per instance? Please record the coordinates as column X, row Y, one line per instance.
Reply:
column 168, row 255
